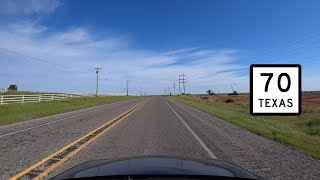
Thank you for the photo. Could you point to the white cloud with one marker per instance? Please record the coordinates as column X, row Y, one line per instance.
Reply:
column 181, row 51
column 79, row 50
column 29, row 6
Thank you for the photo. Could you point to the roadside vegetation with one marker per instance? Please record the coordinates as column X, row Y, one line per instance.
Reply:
column 24, row 93
column 13, row 113
column 298, row 132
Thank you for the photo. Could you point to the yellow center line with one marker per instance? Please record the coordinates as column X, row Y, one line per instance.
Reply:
column 55, row 165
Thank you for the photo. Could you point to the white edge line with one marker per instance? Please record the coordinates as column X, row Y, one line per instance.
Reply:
column 33, row 127
column 205, row 147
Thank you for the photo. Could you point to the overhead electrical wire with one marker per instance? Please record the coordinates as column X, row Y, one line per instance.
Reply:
column 285, row 44
column 40, row 60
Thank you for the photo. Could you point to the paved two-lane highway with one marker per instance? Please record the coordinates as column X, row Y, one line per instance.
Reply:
column 144, row 126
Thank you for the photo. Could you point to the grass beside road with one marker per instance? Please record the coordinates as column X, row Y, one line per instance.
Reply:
column 298, row 132
column 13, row 113
column 25, row 93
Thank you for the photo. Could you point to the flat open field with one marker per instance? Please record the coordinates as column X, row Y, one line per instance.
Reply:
column 298, row 132
column 13, row 113
column 310, row 101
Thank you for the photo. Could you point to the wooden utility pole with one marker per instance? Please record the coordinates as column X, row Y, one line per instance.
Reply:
column 97, row 84
column 127, row 86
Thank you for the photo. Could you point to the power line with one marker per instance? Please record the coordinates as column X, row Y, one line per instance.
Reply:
column 311, row 39
column 127, row 87
column 183, row 82
column 174, row 88
column 97, row 85
column 286, row 44
column 34, row 58
column 273, row 50
column 179, row 86
column 39, row 60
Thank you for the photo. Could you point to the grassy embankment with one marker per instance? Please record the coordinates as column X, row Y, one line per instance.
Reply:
column 13, row 113
column 298, row 132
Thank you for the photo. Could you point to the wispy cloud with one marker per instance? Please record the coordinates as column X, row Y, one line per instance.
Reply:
column 80, row 50
column 67, row 56
column 180, row 51
column 13, row 7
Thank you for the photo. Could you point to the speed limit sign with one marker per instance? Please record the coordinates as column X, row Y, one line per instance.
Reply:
column 275, row 89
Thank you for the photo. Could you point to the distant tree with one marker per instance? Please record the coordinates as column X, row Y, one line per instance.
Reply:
column 234, row 93
column 13, row 87
column 210, row 92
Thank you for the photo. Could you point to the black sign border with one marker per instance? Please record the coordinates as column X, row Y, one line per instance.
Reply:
column 251, row 89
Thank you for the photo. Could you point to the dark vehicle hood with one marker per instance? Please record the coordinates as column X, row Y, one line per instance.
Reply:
column 156, row 165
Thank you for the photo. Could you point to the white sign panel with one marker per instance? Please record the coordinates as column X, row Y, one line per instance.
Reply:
column 275, row 89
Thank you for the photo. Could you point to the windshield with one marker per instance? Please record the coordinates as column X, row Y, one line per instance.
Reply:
column 232, row 81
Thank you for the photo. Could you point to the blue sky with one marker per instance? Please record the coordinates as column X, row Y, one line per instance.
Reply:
column 150, row 43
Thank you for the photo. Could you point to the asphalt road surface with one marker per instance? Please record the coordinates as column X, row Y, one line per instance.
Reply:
column 137, row 127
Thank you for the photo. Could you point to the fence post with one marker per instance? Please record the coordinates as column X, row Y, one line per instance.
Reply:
column 71, row 95
column 52, row 97
column 39, row 98
column 1, row 100
column 61, row 96
column 22, row 99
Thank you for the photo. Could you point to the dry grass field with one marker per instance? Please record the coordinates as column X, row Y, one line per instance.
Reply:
column 310, row 101
column 299, row 132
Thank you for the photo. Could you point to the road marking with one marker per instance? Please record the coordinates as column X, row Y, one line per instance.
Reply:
column 205, row 147
column 48, row 164
column 44, row 124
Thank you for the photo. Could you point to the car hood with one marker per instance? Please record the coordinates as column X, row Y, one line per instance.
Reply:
column 156, row 165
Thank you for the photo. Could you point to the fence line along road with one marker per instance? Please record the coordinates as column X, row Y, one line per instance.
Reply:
column 9, row 99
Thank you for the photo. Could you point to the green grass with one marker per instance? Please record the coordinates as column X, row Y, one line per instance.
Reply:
column 298, row 132
column 13, row 113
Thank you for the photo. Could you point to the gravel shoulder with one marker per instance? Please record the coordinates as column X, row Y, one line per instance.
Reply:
column 262, row 156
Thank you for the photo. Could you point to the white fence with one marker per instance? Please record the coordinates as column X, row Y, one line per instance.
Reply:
column 3, row 90
column 9, row 99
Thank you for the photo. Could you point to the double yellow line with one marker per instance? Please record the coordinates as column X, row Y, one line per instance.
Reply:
column 52, row 162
